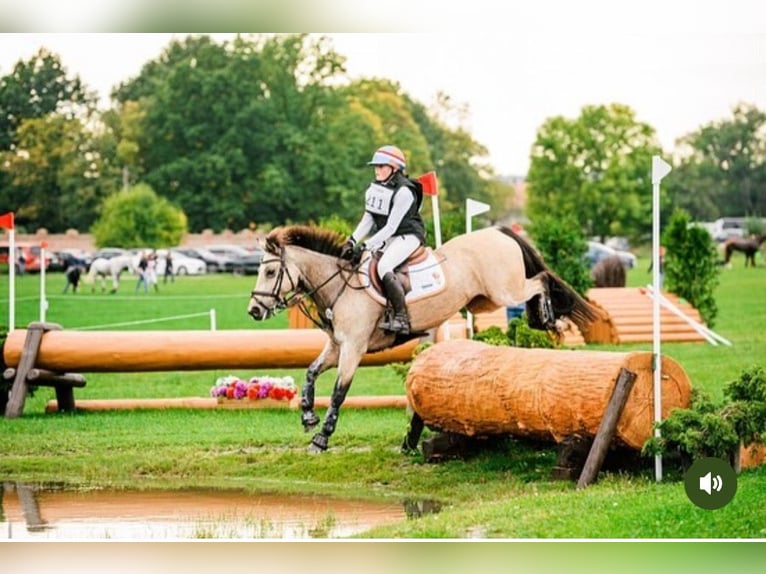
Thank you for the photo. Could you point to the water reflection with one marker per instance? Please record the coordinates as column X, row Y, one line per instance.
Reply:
column 35, row 512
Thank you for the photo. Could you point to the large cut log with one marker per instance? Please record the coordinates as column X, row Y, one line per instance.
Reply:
column 471, row 388
column 135, row 351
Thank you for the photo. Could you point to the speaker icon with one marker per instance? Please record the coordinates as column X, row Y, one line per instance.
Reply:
column 708, row 483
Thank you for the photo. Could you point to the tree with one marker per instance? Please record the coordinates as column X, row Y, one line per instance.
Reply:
column 48, row 170
column 595, row 168
column 723, row 167
column 54, row 174
column 690, row 265
column 36, row 88
column 137, row 217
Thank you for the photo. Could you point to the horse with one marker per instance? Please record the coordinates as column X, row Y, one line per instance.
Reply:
column 749, row 246
column 609, row 272
column 483, row 270
column 113, row 267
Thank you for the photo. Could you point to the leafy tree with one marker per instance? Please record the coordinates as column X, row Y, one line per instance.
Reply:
column 54, row 175
column 723, row 167
column 36, row 88
column 563, row 247
column 596, row 169
column 49, row 171
column 137, row 217
column 690, row 265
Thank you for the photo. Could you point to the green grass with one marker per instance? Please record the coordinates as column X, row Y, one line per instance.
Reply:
column 503, row 492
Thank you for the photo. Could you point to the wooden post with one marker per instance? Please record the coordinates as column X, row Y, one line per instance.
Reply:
column 605, row 433
column 34, row 337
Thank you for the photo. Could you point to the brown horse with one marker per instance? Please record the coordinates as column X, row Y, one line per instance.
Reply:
column 484, row 270
column 749, row 246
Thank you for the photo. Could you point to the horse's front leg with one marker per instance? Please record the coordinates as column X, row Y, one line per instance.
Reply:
column 350, row 357
column 327, row 359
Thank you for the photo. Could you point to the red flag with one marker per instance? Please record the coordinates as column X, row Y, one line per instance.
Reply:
column 6, row 220
column 429, row 183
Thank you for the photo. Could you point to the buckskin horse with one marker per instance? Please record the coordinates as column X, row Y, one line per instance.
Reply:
column 749, row 246
column 483, row 270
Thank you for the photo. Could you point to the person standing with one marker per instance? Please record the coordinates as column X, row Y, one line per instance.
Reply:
column 392, row 225
column 168, row 268
column 142, row 273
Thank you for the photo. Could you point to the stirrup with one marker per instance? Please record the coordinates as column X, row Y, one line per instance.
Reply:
column 396, row 325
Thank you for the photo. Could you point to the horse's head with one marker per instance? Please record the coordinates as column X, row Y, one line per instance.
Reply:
column 277, row 279
column 287, row 258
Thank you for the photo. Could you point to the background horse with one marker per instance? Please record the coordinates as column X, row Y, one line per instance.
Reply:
column 485, row 270
column 109, row 268
column 749, row 246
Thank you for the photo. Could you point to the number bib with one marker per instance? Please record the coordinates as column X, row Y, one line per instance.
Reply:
column 377, row 199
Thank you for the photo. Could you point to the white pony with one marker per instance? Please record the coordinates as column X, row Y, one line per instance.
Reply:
column 112, row 268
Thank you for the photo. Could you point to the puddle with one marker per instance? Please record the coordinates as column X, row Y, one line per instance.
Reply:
column 44, row 512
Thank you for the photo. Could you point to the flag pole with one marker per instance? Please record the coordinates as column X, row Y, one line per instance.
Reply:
column 6, row 222
column 660, row 169
column 43, row 299
column 472, row 207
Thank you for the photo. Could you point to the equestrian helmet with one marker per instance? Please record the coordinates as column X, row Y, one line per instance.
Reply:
column 389, row 155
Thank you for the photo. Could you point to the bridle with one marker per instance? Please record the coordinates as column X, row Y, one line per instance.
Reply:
column 280, row 302
column 295, row 295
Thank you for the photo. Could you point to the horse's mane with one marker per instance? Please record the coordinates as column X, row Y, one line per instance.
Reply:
column 316, row 239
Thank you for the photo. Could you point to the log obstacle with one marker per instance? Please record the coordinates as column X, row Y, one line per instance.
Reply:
column 47, row 349
column 136, row 351
column 358, row 402
column 470, row 388
column 627, row 317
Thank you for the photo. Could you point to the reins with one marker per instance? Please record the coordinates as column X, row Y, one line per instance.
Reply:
column 297, row 296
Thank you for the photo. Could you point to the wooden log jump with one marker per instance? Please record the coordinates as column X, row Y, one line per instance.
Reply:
column 46, row 354
column 474, row 389
column 137, row 351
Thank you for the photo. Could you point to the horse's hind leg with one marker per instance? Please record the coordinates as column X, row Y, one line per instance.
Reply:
column 327, row 359
column 414, row 430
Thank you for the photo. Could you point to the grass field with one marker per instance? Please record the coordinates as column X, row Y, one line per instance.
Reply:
column 504, row 492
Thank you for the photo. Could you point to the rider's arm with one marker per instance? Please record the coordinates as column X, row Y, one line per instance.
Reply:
column 363, row 229
column 402, row 203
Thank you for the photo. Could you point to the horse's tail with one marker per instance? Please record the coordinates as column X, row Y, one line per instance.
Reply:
column 564, row 299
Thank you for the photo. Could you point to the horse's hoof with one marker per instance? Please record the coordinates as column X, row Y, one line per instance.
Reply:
column 318, row 444
column 309, row 421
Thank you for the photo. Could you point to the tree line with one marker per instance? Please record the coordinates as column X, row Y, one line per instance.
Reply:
column 261, row 131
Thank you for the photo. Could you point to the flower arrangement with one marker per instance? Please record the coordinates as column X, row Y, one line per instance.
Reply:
column 256, row 388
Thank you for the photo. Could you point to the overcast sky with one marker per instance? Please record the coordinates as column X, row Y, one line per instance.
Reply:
column 678, row 65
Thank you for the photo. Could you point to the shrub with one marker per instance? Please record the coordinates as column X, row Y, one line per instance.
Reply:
column 690, row 265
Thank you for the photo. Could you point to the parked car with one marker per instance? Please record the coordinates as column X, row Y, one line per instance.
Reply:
column 249, row 264
column 598, row 251
column 66, row 258
column 109, row 252
column 216, row 263
column 230, row 252
column 31, row 254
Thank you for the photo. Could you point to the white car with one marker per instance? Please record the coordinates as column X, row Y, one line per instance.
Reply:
column 182, row 264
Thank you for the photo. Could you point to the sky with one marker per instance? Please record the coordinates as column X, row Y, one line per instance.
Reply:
column 679, row 65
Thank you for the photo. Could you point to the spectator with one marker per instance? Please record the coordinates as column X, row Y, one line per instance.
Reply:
column 151, row 270
column 168, row 268
column 142, row 273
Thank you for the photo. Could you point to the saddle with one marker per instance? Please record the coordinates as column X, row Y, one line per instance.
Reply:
column 402, row 271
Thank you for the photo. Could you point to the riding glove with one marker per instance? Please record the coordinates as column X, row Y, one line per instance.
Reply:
column 347, row 251
column 356, row 253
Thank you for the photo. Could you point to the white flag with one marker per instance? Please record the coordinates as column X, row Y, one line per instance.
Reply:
column 660, row 168
column 473, row 207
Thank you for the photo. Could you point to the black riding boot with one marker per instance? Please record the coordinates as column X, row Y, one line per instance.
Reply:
column 400, row 323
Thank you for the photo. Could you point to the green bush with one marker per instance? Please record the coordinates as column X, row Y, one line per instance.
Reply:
column 690, row 265
column 706, row 429
column 563, row 247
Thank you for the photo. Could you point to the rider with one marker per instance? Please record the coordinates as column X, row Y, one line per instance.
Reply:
column 392, row 218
